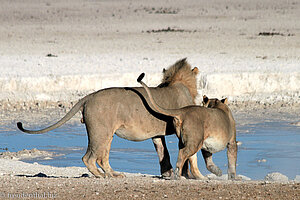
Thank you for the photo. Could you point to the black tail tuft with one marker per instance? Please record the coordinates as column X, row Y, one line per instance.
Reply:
column 140, row 78
column 20, row 126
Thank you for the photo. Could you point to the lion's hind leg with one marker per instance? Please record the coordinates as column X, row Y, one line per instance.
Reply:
column 89, row 159
column 103, row 162
column 100, row 139
column 103, row 158
column 210, row 165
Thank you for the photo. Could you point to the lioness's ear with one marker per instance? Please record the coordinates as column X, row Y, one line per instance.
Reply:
column 205, row 99
column 195, row 70
column 164, row 70
column 225, row 101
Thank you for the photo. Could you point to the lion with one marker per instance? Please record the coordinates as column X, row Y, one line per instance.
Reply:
column 124, row 112
column 210, row 128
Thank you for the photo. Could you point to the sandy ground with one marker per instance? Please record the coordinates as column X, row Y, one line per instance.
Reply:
column 54, row 52
column 143, row 188
column 22, row 181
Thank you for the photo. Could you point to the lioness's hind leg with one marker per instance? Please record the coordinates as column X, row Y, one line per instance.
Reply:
column 185, row 168
column 210, row 165
column 183, row 154
column 194, row 168
column 232, row 157
column 90, row 162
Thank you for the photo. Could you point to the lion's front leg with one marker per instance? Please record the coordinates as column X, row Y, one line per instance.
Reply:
column 166, row 169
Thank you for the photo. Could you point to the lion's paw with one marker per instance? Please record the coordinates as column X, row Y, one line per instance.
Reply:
column 168, row 174
column 114, row 175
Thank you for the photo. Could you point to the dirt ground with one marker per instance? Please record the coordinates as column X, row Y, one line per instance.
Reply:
column 142, row 188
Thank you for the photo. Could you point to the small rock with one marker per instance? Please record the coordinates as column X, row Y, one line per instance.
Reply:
column 224, row 177
column 296, row 123
column 262, row 160
column 51, row 55
column 276, row 176
column 244, row 178
column 297, row 179
column 40, row 175
column 85, row 175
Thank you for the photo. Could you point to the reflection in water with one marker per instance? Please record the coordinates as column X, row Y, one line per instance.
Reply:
column 266, row 147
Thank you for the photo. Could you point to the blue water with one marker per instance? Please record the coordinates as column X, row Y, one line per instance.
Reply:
column 277, row 142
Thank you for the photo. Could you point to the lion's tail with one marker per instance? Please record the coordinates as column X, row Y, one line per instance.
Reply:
column 168, row 112
column 66, row 118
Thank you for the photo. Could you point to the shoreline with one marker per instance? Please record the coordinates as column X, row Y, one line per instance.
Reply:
column 25, row 169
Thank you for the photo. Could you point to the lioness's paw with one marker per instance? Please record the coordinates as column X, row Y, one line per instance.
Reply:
column 215, row 170
column 201, row 178
column 234, row 177
column 176, row 175
column 237, row 178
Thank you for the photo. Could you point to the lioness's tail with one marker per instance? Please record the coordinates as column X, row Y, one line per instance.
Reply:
column 66, row 118
column 168, row 112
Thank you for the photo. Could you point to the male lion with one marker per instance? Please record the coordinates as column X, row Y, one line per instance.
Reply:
column 124, row 111
column 210, row 129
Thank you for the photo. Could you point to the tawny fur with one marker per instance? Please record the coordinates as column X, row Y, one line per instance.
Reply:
column 210, row 129
column 181, row 72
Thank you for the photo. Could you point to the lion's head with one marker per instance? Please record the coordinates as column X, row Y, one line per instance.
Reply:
column 181, row 72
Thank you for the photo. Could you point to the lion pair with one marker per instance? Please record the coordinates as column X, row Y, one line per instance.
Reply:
column 138, row 114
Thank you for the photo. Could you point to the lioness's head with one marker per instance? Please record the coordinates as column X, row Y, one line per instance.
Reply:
column 214, row 103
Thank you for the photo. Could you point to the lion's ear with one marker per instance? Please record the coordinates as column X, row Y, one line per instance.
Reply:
column 164, row 70
column 195, row 70
column 225, row 101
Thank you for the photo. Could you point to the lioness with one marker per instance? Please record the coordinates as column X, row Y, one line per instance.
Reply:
column 198, row 127
column 124, row 111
